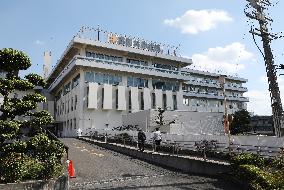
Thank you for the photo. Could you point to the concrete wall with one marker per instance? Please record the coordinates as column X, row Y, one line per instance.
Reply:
column 186, row 122
column 61, row 183
column 142, row 119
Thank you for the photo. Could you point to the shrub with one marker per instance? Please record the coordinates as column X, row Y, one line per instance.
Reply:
column 260, row 173
column 260, row 179
column 26, row 152
column 248, row 159
column 13, row 167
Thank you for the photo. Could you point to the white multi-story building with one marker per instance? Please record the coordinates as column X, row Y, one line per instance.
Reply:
column 102, row 76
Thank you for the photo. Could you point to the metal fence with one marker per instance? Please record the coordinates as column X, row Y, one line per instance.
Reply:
column 203, row 145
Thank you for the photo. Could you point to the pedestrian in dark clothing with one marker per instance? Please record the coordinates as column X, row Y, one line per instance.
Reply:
column 141, row 140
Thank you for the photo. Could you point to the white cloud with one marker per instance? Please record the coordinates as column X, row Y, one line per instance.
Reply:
column 229, row 59
column 259, row 100
column 195, row 21
column 38, row 42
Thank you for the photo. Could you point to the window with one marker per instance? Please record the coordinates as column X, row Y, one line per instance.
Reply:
column 58, row 96
column 165, row 101
column 175, row 102
column 136, row 62
column 137, row 82
column 129, row 100
column 74, row 123
column 67, row 124
column 66, row 88
column 186, row 101
column 103, row 56
column 72, row 102
column 153, row 101
column 71, row 124
column 89, row 77
column 65, row 109
column 103, row 97
column 68, row 106
column 165, row 66
column 142, row 100
column 75, row 81
column 99, row 78
column 129, row 81
column 87, row 97
column 105, row 78
column 75, row 107
column 157, row 84
column 117, row 80
column 116, row 98
column 110, row 79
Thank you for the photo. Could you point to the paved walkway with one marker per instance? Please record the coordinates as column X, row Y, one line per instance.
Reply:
column 98, row 168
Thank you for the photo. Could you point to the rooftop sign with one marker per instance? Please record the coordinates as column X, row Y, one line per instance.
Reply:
column 127, row 41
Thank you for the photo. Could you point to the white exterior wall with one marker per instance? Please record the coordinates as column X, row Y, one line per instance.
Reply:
column 107, row 104
column 169, row 96
column 121, row 98
column 134, row 99
column 180, row 105
column 159, row 98
column 93, row 96
column 187, row 122
column 147, row 98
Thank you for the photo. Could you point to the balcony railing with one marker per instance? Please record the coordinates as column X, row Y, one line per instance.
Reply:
column 214, row 95
column 116, row 63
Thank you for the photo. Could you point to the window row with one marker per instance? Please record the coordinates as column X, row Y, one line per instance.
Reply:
column 70, row 124
column 67, row 106
column 137, row 62
column 67, row 88
column 165, row 85
column 103, row 78
column 210, row 103
column 104, row 56
column 137, row 82
column 200, row 90
column 201, row 102
column 165, row 66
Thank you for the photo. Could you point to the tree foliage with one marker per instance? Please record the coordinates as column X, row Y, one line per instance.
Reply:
column 160, row 118
column 241, row 122
column 26, row 152
column 12, row 60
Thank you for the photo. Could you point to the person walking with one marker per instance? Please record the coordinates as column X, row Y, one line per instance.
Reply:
column 141, row 140
column 157, row 138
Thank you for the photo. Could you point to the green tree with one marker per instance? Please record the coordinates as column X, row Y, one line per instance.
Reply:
column 240, row 123
column 160, row 118
column 26, row 152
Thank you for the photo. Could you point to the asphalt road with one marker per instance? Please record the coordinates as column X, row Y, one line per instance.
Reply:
column 98, row 168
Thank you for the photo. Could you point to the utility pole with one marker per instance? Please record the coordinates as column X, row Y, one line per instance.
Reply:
column 255, row 10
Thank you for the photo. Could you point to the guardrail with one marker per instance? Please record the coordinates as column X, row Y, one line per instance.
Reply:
column 53, row 137
column 201, row 147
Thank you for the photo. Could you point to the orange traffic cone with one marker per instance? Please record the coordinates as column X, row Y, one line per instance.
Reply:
column 71, row 170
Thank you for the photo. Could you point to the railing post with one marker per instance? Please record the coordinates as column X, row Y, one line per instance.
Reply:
column 106, row 138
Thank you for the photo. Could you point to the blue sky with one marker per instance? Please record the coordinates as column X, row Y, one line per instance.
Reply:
column 212, row 32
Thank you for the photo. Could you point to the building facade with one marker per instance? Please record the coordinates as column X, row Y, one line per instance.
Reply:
column 102, row 76
column 262, row 125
